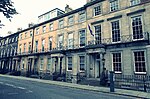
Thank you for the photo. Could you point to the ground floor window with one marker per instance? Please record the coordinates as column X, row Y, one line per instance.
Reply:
column 49, row 63
column 116, row 58
column 23, row 64
column 139, row 61
column 82, row 63
column 42, row 63
column 69, row 63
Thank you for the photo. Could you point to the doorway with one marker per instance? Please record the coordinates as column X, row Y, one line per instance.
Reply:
column 97, row 65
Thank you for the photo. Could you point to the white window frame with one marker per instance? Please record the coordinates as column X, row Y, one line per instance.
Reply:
column 43, row 45
column 100, row 33
column 135, row 2
column 26, row 34
column 114, row 4
column 61, row 23
column 36, row 46
column 37, row 30
column 41, row 64
column 23, row 64
column 97, row 10
column 119, row 33
column 69, row 63
column 134, row 61
column 82, row 16
column 24, row 47
column 31, row 33
column 44, row 29
column 82, row 63
column 82, row 37
column 70, row 20
column 70, row 40
column 51, row 26
column 140, row 16
column 49, row 63
column 50, row 40
column 60, row 41
column 118, row 62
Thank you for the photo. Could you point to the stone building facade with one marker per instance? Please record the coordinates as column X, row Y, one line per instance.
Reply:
column 8, row 49
column 103, row 33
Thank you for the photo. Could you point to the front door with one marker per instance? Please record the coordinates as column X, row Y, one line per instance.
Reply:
column 97, row 66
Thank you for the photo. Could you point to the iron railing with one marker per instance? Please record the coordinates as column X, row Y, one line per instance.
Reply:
column 105, row 41
column 121, row 39
column 133, row 82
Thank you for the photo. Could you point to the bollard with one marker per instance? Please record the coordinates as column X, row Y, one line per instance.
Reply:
column 112, row 81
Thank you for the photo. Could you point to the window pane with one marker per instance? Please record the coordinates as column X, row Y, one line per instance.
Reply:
column 117, row 62
column 137, row 27
column 69, row 63
column 139, row 61
column 115, row 31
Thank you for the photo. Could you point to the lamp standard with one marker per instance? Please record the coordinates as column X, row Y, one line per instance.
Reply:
column 103, row 60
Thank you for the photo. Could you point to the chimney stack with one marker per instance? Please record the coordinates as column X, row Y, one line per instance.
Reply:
column 30, row 24
column 67, row 9
column 19, row 29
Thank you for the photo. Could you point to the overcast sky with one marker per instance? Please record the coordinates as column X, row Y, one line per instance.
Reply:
column 30, row 10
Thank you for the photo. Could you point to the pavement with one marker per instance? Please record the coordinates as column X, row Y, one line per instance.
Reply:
column 132, row 93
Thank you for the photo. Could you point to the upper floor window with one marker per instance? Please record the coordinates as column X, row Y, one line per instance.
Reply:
column 60, row 42
column 97, row 10
column 36, row 46
column 137, row 27
column 25, row 34
column 30, row 33
column 114, row 5
column 61, row 24
column 20, row 48
column 16, row 38
column 82, row 37
column 70, row 40
column 117, row 61
column 29, row 48
column 24, row 47
column 8, row 52
column 15, row 50
column 135, row 2
column 44, row 29
column 97, row 34
column 115, row 31
column 82, row 17
column 20, row 37
column 51, row 27
column 37, row 30
column 50, row 43
column 70, row 20
column 139, row 61
column 43, row 44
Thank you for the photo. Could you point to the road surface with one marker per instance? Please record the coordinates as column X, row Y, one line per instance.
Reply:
column 11, row 88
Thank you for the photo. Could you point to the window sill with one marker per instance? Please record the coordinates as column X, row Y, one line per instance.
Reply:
column 144, row 73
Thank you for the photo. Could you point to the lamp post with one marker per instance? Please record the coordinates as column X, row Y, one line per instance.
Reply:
column 103, row 62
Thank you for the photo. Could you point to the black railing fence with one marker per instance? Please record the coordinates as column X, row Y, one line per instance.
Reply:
column 133, row 82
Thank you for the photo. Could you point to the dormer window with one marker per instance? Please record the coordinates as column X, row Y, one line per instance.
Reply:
column 135, row 2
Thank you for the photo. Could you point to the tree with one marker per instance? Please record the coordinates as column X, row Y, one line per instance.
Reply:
column 7, row 9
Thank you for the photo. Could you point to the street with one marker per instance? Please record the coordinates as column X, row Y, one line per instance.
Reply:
column 11, row 88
